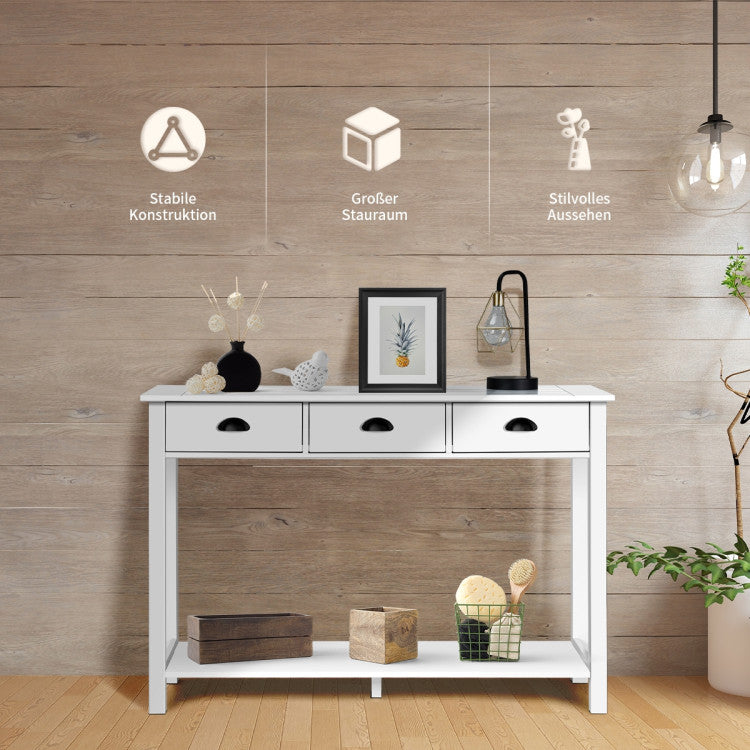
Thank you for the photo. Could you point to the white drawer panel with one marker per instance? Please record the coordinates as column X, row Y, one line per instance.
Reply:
column 486, row 428
column 342, row 428
column 273, row 428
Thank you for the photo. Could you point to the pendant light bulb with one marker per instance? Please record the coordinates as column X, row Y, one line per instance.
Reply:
column 715, row 169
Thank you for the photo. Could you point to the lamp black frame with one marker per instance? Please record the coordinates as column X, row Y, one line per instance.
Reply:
column 715, row 123
column 516, row 382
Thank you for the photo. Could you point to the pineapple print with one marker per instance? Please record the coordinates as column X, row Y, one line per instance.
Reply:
column 404, row 337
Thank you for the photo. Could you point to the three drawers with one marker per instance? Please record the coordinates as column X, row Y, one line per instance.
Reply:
column 377, row 428
column 226, row 427
column 520, row 428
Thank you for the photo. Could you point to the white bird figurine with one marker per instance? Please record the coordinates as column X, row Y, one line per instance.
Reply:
column 310, row 375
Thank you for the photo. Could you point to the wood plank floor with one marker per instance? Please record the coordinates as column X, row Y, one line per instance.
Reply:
column 110, row 712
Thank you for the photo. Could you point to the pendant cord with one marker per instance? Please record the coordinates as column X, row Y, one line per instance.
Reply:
column 716, row 57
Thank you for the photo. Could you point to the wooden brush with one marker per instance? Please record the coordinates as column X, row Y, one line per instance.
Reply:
column 522, row 573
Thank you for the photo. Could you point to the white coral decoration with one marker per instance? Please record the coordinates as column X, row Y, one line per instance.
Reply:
column 194, row 385
column 216, row 323
column 209, row 369
column 235, row 300
column 214, row 383
column 255, row 323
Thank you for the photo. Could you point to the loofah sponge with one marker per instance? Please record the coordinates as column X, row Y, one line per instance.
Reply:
column 481, row 598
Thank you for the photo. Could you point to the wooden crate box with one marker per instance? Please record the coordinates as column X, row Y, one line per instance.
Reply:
column 383, row 634
column 222, row 638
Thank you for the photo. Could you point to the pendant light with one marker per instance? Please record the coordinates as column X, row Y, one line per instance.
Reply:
column 708, row 170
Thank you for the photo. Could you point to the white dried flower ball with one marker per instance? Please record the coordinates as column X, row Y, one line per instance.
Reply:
column 214, row 383
column 209, row 369
column 255, row 322
column 216, row 323
column 235, row 300
column 194, row 385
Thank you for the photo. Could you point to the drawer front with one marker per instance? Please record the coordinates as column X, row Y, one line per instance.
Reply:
column 364, row 428
column 489, row 428
column 226, row 427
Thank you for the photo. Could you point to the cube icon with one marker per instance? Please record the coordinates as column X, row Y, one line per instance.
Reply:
column 371, row 139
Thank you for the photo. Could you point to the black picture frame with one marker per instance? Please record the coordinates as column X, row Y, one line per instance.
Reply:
column 376, row 376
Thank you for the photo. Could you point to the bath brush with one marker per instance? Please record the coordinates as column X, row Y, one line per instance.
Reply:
column 522, row 573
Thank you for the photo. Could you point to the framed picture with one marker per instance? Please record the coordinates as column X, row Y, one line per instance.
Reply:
column 401, row 340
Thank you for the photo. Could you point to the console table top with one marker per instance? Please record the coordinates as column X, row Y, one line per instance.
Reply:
column 351, row 394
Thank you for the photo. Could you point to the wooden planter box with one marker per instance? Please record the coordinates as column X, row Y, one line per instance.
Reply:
column 383, row 634
column 220, row 638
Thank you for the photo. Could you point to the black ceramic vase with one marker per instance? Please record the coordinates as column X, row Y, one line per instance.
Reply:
column 239, row 368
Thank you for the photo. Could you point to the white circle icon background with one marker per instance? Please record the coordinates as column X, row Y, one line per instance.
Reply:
column 173, row 139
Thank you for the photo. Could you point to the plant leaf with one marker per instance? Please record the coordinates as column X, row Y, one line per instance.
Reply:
column 674, row 551
column 635, row 565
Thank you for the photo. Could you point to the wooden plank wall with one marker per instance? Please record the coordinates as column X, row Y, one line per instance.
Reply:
column 95, row 309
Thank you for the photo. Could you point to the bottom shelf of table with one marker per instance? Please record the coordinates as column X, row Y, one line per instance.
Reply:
column 436, row 659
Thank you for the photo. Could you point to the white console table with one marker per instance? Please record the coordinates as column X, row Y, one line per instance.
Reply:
column 339, row 422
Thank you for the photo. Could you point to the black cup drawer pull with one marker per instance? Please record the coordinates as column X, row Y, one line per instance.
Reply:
column 520, row 424
column 233, row 424
column 376, row 424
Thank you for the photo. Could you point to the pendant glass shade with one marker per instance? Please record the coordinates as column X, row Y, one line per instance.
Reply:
column 708, row 170
column 711, row 178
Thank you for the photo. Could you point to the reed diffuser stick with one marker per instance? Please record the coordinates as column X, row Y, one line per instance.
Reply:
column 260, row 297
column 255, row 307
column 210, row 301
column 218, row 312
column 226, row 323
column 237, row 309
column 216, row 302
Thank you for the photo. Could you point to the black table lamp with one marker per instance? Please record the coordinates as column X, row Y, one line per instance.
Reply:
column 494, row 330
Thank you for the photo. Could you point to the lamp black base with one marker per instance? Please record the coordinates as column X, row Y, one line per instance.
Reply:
column 512, row 383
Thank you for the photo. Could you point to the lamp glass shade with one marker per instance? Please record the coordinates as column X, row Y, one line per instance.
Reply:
column 496, row 328
column 711, row 179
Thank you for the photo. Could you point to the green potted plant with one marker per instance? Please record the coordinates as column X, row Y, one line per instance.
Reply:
column 721, row 574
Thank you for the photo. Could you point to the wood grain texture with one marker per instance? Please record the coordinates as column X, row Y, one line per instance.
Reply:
column 95, row 309
column 652, row 712
column 249, row 649
column 227, row 627
column 375, row 22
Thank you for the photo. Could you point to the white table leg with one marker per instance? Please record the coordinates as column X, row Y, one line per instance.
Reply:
column 157, row 569
column 172, row 587
column 597, row 559
column 579, row 556
column 376, row 687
